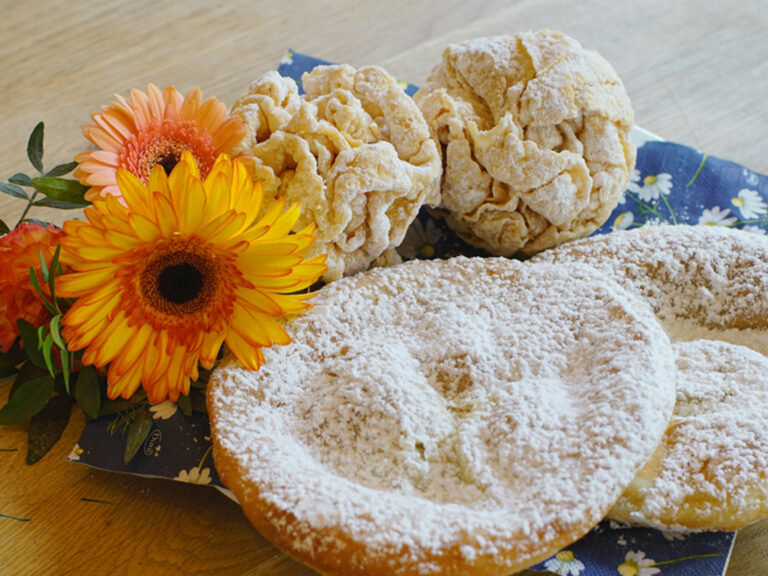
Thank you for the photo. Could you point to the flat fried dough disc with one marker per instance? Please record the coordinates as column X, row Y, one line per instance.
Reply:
column 711, row 470
column 709, row 288
column 466, row 416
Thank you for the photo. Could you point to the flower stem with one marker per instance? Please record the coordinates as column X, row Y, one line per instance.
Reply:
column 207, row 452
column 763, row 220
column 701, row 167
column 647, row 207
column 693, row 557
column 26, row 209
column 671, row 212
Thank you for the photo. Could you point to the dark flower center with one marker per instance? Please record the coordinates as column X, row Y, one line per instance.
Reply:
column 180, row 283
column 180, row 280
column 168, row 161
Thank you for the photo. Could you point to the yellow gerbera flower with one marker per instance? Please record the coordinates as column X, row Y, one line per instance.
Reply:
column 182, row 265
column 153, row 129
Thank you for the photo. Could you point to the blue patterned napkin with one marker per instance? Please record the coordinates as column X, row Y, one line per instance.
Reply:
column 671, row 183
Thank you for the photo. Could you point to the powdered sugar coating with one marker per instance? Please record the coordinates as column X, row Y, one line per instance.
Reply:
column 709, row 287
column 535, row 137
column 445, row 417
column 353, row 150
column 696, row 278
column 711, row 470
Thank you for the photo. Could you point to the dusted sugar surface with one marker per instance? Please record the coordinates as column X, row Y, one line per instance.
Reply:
column 354, row 151
column 534, row 131
column 711, row 470
column 709, row 287
column 466, row 416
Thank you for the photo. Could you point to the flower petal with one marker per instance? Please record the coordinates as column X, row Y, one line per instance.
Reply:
column 124, row 384
column 244, row 350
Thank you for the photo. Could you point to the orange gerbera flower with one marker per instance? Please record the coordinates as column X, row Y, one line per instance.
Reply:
column 179, row 267
column 153, row 129
column 20, row 250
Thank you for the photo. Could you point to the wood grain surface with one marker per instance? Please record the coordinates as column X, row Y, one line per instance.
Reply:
column 697, row 73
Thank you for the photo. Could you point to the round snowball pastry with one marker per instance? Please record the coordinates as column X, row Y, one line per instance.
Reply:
column 709, row 288
column 354, row 151
column 534, row 131
column 446, row 417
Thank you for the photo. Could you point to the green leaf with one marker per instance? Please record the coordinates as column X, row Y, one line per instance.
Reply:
column 66, row 368
column 13, row 190
column 185, row 403
column 55, row 269
column 48, row 354
column 61, row 189
column 43, row 269
column 4, row 228
column 204, row 375
column 121, row 404
column 11, row 359
column 36, row 221
column 88, row 391
column 58, row 204
column 61, row 169
column 59, row 387
column 20, row 179
column 64, row 354
column 55, row 327
column 197, row 398
column 137, row 432
column 46, row 428
column 31, row 342
column 6, row 370
column 35, row 147
column 27, row 372
column 36, row 283
column 29, row 399
column 14, row 356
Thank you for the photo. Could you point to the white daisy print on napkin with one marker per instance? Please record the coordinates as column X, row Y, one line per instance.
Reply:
column 636, row 564
column 287, row 59
column 195, row 475
column 716, row 216
column 565, row 564
column 749, row 203
column 75, row 454
column 672, row 536
column 652, row 187
column 164, row 410
column 420, row 240
column 623, row 221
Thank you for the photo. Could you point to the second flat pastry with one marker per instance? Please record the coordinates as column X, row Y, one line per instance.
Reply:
column 709, row 288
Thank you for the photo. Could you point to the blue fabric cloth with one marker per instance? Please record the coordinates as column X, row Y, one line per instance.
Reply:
column 671, row 183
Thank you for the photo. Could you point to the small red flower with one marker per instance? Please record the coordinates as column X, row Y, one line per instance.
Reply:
column 20, row 250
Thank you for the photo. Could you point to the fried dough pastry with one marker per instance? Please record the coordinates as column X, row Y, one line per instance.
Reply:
column 354, row 150
column 709, row 288
column 710, row 471
column 534, row 132
column 447, row 417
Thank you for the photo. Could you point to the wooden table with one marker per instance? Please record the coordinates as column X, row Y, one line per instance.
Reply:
column 697, row 73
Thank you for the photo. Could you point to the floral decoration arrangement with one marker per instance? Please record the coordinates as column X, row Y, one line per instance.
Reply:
column 124, row 313
column 174, row 260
